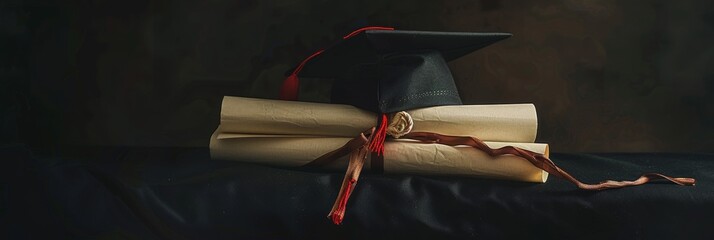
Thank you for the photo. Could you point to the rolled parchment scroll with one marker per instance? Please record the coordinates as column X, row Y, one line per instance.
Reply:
column 291, row 134
column 497, row 122
column 401, row 156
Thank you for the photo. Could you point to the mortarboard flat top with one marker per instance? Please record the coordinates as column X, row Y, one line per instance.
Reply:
column 387, row 71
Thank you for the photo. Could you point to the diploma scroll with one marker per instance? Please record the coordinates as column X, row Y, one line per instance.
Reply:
column 401, row 156
column 498, row 122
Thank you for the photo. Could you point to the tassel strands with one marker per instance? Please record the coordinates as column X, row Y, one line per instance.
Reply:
column 338, row 214
column 357, row 159
column 377, row 143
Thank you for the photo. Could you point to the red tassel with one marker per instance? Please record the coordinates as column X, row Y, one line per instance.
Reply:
column 289, row 90
column 339, row 214
column 377, row 143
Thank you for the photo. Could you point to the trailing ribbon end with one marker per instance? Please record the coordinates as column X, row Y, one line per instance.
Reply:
column 686, row 181
column 289, row 91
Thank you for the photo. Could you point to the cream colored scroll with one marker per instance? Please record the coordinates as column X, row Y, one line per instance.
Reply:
column 497, row 122
column 401, row 156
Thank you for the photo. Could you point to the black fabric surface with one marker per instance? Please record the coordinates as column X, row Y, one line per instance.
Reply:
column 179, row 193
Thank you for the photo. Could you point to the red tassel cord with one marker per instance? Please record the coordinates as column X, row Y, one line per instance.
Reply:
column 289, row 90
column 377, row 143
column 358, row 31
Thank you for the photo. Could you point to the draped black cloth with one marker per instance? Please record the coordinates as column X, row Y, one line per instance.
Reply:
column 180, row 193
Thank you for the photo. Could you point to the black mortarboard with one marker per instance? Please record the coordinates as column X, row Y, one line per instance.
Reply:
column 384, row 71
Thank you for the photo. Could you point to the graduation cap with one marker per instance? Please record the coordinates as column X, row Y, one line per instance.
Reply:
column 385, row 71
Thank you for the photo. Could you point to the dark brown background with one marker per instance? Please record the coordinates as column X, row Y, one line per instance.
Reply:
column 605, row 75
